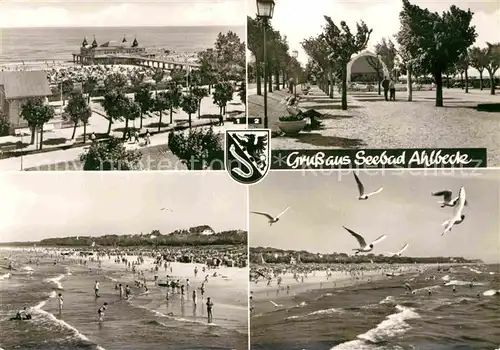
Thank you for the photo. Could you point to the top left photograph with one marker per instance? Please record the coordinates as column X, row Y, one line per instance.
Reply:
column 138, row 85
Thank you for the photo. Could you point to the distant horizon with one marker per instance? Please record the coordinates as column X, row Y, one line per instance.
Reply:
column 405, row 256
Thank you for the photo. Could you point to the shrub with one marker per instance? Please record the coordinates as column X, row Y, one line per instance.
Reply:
column 110, row 155
column 291, row 118
column 197, row 149
column 4, row 125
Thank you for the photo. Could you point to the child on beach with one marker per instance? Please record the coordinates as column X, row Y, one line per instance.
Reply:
column 60, row 299
column 120, row 290
column 127, row 292
column 100, row 312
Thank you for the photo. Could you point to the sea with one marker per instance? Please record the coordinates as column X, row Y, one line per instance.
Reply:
column 57, row 44
column 380, row 315
column 145, row 322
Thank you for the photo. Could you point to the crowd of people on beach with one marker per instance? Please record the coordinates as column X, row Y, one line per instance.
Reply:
column 150, row 269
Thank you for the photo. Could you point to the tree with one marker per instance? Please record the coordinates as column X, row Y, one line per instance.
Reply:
column 144, row 98
column 36, row 113
column 206, row 70
column 115, row 82
column 317, row 49
column 174, row 96
column 435, row 41
column 200, row 93
column 67, row 87
column 387, row 52
column 110, row 155
column 115, row 104
column 178, row 76
column 137, row 79
column 343, row 44
column 230, row 57
column 161, row 103
column 197, row 149
column 478, row 59
column 189, row 105
column 132, row 111
column 89, row 86
column 158, row 77
column 242, row 92
column 223, row 93
column 463, row 68
column 76, row 110
column 493, row 54
column 376, row 64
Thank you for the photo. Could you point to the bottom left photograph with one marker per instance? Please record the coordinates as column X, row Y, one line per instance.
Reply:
column 123, row 260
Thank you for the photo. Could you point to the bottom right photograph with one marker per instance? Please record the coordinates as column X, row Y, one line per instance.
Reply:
column 403, row 259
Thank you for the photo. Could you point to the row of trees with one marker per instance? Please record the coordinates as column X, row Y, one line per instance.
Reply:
column 280, row 64
column 155, row 238
column 428, row 43
column 278, row 256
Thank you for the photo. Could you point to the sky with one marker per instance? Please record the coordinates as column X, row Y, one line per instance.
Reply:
column 299, row 20
column 43, row 205
column 114, row 13
column 405, row 211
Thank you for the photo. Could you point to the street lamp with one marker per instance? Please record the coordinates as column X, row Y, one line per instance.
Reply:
column 265, row 11
column 295, row 55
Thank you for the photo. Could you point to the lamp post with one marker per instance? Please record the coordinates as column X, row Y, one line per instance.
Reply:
column 265, row 10
column 295, row 55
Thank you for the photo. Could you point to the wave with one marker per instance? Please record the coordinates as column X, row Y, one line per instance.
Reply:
column 180, row 319
column 392, row 326
column 27, row 268
column 56, row 280
column 491, row 292
column 446, row 278
column 7, row 275
column 388, row 300
column 315, row 313
column 38, row 309
column 476, row 271
column 462, row 283
column 425, row 289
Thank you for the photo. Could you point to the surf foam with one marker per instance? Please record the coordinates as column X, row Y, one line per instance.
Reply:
column 392, row 326
column 7, row 275
column 491, row 292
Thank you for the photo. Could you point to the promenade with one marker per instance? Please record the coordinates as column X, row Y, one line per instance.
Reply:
column 155, row 157
column 372, row 122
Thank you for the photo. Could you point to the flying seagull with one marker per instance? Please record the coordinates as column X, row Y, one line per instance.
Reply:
column 361, row 189
column 275, row 305
column 166, row 209
column 458, row 217
column 272, row 220
column 448, row 200
column 363, row 247
column 400, row 251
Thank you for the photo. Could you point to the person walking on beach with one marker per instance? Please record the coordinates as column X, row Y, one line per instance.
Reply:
column 202, row 290
column 120, row 290
column 60, row 300
column 100, row 312
column 127, row 292
column 210, row 305
column 385, row 86
column 96, row 289
column 392, row 91
column 148, row 142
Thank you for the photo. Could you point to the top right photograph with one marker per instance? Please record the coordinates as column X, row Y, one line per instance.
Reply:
column 393, row 74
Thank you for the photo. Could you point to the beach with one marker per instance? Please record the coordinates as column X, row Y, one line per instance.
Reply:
column 146, row 320
column 374, row 310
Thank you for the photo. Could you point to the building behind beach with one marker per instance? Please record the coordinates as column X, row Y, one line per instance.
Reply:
column 111, row 52
column 18, row 86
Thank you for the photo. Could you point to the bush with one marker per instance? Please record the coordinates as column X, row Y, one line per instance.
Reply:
column 4, row 125
column 291, row 118
column 197, row 149
column 110, row 155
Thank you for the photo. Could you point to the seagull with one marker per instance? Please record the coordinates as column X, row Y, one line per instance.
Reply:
column 275, row 305
column 401, row 250
column 167, row 209
column 272, row 220
column 447, row 201
column 458, row 217
column 363, row 247
column 361, row 189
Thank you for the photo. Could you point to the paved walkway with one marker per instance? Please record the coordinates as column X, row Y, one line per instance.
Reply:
column 371, row 122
